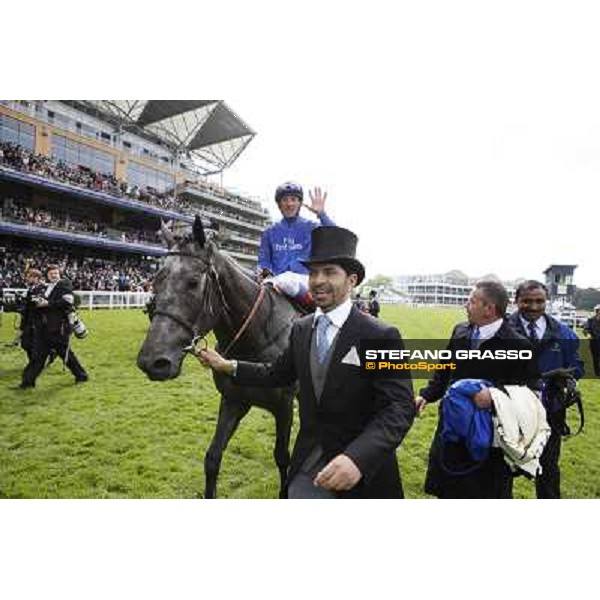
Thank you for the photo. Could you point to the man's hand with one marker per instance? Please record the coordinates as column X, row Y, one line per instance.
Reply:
column 483, row 399
column 317, row 200
column 420, row 404
column 41, row 302
column 211, row 358
column 339, row 474
column 263, row 274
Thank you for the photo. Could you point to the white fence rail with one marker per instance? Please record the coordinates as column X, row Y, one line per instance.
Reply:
column 110, row 300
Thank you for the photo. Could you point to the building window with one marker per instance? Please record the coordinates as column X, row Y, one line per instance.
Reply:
column 74, row 153
column 17, row 132
column 143, row 176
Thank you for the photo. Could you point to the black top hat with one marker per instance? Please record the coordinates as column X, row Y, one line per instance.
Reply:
column 335, row 245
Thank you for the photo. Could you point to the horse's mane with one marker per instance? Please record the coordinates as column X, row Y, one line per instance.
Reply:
column 188, row 242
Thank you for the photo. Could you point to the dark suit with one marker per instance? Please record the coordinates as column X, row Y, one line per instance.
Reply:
column 558, row 348
column 361, row 418
column 29, row 322
column 493, row 478
column 51, row 333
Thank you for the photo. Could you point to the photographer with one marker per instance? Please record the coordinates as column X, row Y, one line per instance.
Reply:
column 52, row 329
column 35, row 289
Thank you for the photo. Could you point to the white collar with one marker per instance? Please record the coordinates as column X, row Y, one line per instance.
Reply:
column 540, row 325
column 538, row 322
column 338, row 315
column 488, row 331
column 49, row 288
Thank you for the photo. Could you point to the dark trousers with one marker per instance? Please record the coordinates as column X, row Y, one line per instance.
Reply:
column 27, row 341
column 451, row 472
column 547, row 484
column 302, row 488
column 42, row 346
column 595, row 350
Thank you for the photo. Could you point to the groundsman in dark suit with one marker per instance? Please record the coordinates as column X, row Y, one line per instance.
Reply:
column 449, row 472
column 350, row 427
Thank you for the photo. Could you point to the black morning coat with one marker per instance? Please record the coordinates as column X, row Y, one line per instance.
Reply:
column 361, row 418
column 55, row 314
column 492, row 479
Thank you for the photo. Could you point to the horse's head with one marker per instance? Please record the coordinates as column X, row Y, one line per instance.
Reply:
column 187, row 302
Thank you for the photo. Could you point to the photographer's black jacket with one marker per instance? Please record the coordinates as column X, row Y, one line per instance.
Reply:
column 30, row 314
column 60, row 304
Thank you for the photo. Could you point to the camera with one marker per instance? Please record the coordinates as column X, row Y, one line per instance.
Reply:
column 559, row 391
column 77, row 326
column 13, row 302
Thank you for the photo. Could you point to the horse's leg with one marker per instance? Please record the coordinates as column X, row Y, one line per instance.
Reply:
column 284, row 415
column 231, row 413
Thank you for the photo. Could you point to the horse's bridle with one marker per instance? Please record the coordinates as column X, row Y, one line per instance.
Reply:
column 197, row 337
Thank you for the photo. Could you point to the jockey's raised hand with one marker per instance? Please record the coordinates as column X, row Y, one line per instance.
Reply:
column 317, row 200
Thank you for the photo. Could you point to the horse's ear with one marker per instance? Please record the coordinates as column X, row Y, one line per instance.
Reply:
column 198, row 231
column 167, row 234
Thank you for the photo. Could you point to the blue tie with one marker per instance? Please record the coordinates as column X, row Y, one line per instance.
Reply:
column 532, row 332
column 323, row 322
column 475, row 337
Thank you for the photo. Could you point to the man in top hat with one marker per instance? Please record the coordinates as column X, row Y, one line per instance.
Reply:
column 350, row 426
column 592, row 329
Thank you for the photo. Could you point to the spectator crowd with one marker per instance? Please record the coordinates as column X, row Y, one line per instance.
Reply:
column 18, row 211
column 86, row 272
column 21, row 159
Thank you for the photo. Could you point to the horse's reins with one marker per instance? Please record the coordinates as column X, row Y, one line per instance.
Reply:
column 196, row 337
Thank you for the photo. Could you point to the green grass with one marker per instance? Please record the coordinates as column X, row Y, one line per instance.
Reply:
column 122, row 436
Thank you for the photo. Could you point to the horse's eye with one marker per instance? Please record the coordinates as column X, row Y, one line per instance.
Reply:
column 193, row 284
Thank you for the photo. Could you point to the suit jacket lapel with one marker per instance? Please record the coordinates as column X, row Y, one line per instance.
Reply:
column 303, row 350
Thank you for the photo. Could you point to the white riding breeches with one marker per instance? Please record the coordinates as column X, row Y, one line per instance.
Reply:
column 290, row 283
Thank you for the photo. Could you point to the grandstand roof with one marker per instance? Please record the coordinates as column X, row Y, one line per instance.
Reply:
column 206, row 131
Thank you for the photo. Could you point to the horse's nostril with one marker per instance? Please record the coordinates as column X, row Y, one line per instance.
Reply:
column 162, row 364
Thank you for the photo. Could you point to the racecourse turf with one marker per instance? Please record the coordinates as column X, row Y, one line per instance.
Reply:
column 123, row 436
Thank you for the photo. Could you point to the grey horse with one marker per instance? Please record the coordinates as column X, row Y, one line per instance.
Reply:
column 199, row 289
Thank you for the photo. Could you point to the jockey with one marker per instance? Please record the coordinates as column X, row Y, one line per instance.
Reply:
column 286, row 243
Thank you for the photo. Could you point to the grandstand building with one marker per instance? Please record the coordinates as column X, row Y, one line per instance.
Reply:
column 86, row 183
column 450, row 289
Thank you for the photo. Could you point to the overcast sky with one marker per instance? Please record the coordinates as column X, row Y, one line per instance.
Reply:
column 451, row 136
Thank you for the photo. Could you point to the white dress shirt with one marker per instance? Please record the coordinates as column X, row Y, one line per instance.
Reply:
column 488, row 331
column 337, row 316
column 540, row 326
